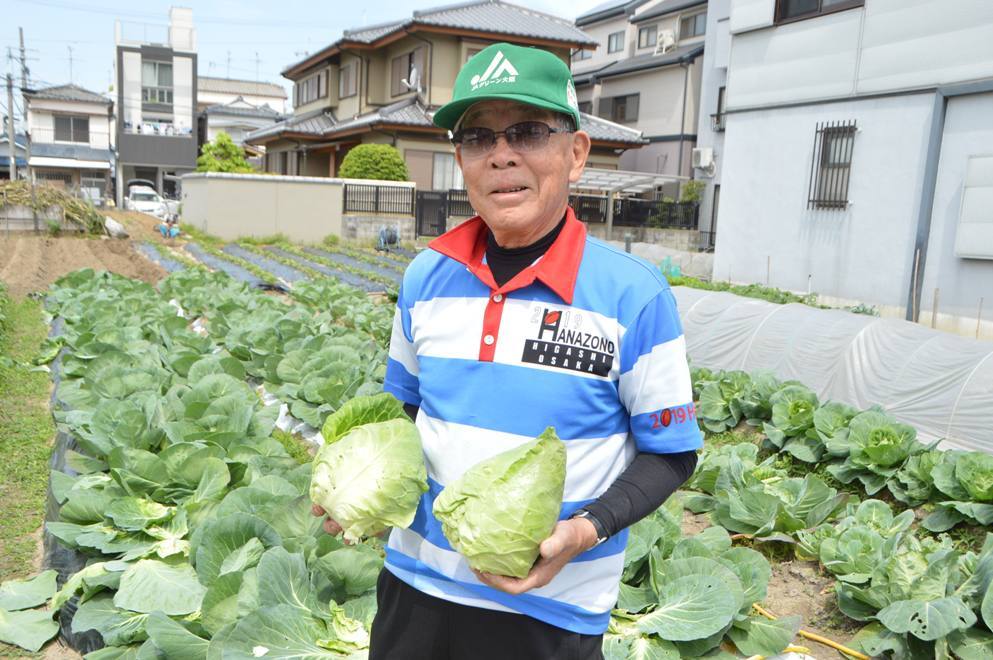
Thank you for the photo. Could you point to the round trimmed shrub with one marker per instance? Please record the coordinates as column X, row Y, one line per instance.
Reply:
column 374, row 161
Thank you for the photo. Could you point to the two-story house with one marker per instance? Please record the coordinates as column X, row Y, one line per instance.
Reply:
column 858, row 155
column 646, row 74
column 156, row 101
column 71, row 141
column 237, row 107
column 382, row 84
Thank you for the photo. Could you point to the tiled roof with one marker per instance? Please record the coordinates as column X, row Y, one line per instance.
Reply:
column 316, row 122
column 77, row 152
column 608, row 9
column 503, row 18
column 649, row 61
column 664, row 8
column 242, row 87
column 69, row 93
column 604, row 130
column 410, row 112
column 373, row 32
column 487, row 16
column 243, row 109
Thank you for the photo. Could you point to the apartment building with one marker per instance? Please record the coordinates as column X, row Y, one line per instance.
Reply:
column 156, row 101
column 382, row 84
column 645, row 74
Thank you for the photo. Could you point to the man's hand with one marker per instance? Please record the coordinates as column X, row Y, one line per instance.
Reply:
column 330, row 526
column 569, row 539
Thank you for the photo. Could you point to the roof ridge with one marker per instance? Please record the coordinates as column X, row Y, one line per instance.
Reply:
column 458, row 5
column 366, row 28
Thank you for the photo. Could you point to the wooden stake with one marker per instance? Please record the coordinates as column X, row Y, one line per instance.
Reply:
column 979, row 316
column 768, row 269
column 914, row 303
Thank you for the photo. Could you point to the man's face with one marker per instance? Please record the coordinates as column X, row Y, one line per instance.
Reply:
column 520, row 195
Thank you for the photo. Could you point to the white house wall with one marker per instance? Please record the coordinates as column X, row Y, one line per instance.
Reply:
column 961, row 282
column 660, row 104
column 714, row 70
column 801, row 61
column 863, row 253
column 41, row 120
column 923, row 43
column 885, row 46
column 751, row 14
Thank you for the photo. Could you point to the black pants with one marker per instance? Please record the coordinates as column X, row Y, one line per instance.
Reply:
column 411, row 625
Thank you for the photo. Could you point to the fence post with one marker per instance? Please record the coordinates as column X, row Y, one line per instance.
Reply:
column 375, row 199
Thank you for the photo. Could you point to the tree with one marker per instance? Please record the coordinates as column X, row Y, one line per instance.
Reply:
column 222, row 155
column 374, row 161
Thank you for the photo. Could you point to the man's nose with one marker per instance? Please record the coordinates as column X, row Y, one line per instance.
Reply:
column 502, row 155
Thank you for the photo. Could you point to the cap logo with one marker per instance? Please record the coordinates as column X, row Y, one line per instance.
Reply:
column 500, row 70
column 570, row 94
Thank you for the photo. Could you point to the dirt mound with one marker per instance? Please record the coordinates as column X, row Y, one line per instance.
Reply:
column 31, row 263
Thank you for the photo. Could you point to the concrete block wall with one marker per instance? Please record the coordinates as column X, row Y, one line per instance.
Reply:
column 366, row 227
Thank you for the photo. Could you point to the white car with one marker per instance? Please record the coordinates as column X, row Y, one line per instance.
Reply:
column 146, row 200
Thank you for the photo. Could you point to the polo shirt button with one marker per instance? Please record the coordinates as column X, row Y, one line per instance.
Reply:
column 488, row 340
column 498, row 298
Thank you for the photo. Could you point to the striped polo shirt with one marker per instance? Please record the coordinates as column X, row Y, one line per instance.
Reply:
column 587, row 340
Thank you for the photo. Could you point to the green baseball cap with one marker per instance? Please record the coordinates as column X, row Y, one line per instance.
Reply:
column 505, row 72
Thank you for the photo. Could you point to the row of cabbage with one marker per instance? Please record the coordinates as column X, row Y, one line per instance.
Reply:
column 921, row 596
column 867, row 446
column 194, row 520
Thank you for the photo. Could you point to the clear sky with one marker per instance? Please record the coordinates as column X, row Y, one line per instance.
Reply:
column 246, row 39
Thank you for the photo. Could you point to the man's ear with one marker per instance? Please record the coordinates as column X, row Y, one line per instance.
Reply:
column 580, row 152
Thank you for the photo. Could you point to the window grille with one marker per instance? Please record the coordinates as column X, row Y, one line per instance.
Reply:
column 831, row 164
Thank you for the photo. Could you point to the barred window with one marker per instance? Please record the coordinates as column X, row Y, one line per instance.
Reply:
column 831, row 165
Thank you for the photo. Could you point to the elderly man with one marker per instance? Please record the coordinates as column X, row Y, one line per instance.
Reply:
column 511, row 322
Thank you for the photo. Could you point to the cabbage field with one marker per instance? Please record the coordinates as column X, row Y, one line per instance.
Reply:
column 179, row 522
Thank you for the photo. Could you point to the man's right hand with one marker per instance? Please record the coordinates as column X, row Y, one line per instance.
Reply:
column 330, row 526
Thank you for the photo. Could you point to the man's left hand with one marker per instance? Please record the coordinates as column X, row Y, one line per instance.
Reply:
column 569, row 539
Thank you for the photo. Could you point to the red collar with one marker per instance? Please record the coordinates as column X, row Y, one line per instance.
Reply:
column 557, row 269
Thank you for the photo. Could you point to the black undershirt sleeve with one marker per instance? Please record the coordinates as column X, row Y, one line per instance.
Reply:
column 650, row 478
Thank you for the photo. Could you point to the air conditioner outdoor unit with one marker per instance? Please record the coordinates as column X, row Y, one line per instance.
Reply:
column 666, row 42
column 703, row 158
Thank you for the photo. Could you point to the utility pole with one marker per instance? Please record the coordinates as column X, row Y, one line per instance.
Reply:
column 229, row 64
column 70, row 63
column 258, row 61
column 24, row 101
column 10, row 128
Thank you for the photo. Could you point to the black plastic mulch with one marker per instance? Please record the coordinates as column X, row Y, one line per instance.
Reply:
column 344, row 276
column 393, row 275
column 395, row 262
column 280, row 270
column 234, row 270
column 155, row 256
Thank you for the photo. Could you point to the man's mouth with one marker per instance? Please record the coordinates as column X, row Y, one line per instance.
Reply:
column 510, row 189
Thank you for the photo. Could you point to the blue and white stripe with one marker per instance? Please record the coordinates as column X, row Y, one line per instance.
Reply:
column 471, row 410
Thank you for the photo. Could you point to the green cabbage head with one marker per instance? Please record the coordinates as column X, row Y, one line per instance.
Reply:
column 501, row 509
column 371, row 478
column 974, row 470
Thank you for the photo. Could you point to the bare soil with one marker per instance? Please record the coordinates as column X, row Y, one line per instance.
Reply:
column 798, row 587
column 29, row 263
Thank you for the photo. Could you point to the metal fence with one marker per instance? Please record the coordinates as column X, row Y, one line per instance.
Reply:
column 371, row 198
column 459, row 205
column 589, row 208
column 656, row 213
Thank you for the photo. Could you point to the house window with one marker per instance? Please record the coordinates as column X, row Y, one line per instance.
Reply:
column 156, row 82
column 621, row 109
column 648, row 36
column 789, row 10
column 831, row 165
column 615, row 42
column 72, row 129
column 311, row 89
column 586, row 107
column 470, row 52
column 693, row 26
column 578, row 55
column 446, row 174
column 403, row 68
column 347, row 83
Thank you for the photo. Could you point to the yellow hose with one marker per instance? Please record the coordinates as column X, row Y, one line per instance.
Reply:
column 815, row 637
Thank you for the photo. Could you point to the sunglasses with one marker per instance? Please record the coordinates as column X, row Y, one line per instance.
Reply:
column 525, row 136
